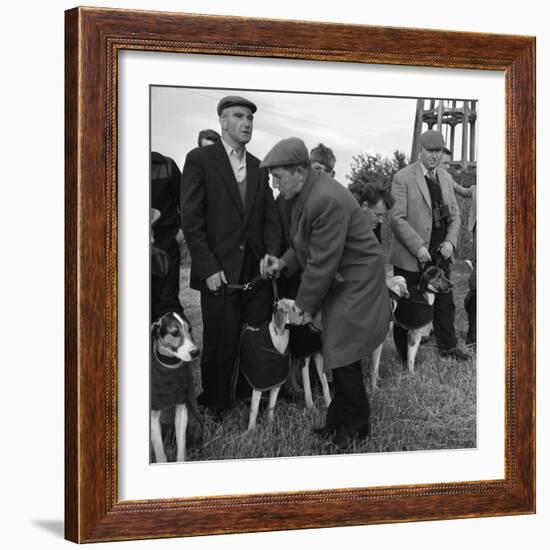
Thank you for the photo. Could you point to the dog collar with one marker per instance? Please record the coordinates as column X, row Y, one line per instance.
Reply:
column 168, row 366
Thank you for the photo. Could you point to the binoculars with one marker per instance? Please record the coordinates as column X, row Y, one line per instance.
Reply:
column 441, row 215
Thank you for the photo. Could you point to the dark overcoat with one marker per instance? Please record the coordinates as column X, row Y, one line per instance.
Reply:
column 216, row 225
column 343, row 270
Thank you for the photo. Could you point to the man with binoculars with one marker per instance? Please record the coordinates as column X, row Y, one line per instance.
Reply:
column 425, row 222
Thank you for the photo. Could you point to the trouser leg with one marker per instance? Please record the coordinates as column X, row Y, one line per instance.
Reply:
column 349, row 410
column 165, row 292
column 222, row 321
column 470, row 304
column 444, row 317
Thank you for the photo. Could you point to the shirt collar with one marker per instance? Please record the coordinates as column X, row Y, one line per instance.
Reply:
column 232, row 152
column 426, row 170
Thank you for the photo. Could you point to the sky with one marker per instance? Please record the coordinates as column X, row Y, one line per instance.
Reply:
column 349, row 125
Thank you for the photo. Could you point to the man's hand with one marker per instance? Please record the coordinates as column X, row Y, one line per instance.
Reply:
column 446, row 249
column 214, row 282
column 299, row 317
column 423, row 255
column 271, row 266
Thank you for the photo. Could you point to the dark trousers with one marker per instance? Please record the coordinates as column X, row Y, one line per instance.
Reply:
column 444, row 315
column 349, row 410
column 165, row 290
column 223, row 316
column 470, row 305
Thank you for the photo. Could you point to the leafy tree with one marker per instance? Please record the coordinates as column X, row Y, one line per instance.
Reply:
column 367, row 168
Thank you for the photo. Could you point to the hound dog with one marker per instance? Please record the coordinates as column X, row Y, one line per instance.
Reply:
column 263, row 358
column 172, row 350
column 412, row 309
column 397, row 289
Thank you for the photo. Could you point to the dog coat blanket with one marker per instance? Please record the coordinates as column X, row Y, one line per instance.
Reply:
column 258, row 360
column 413, row 312
column 168, row 386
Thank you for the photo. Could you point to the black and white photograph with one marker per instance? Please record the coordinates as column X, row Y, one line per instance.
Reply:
column 312, row 274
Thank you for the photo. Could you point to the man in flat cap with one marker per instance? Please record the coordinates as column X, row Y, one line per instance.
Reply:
column 343, row 277
column 321, row 158
column 230, row 222
column 425, row 221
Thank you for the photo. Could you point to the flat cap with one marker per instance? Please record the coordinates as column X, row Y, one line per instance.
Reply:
column 286, row 152
column 431, row 139
column 233, row 101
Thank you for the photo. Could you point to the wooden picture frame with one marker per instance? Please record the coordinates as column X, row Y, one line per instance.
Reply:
column 93, row 39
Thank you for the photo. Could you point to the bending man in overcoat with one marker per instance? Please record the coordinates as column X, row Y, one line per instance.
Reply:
column 230, row 222
column 343, row 277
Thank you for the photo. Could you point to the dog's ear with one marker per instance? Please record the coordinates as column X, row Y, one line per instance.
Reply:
column 425, row 279
column 155, row 329
column 397, row 287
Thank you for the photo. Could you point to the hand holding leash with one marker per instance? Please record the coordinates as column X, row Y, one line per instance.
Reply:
column 445, row 250
column 271, row 267
column 214, row 282
column 423, row 255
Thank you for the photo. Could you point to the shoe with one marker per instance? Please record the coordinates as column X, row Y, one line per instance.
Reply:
column 344, row 436
column 456, row 354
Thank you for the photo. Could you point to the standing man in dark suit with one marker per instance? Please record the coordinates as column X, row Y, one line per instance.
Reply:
column 230, row 222
column 425, row 222
column 343, row 277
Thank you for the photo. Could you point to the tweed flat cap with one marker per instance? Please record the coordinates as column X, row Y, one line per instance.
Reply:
column 431, row 139
column 285, row 153
column 233, row 101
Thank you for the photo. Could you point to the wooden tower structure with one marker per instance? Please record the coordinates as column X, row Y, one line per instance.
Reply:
column 446, row 115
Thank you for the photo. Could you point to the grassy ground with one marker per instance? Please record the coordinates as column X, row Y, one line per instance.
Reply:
column 433, row 409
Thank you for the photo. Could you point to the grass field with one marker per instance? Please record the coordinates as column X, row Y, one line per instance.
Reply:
column 433, row 409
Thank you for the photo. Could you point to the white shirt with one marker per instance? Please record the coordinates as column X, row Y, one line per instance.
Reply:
column 426, row 170
column 238, row 163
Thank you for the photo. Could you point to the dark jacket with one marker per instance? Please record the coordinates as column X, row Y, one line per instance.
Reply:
column 165, row 197
column 216, row 226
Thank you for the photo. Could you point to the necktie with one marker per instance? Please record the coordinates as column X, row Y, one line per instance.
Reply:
column 432, row 176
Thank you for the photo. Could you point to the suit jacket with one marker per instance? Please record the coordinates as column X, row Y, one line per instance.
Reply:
column 343, row 269
column 411, row 215
column 218, row 228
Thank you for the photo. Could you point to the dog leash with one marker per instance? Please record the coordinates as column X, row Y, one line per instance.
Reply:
column 246, row 286
column 275, row 295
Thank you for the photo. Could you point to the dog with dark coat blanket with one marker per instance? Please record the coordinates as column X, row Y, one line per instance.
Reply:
column 263, row 358
column 415, row 314
column 172, row 350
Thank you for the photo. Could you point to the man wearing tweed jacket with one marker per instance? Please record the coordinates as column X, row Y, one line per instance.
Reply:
column 425, row 222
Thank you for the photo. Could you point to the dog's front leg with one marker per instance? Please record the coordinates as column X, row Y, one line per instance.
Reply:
column 413, row 342
column 306, row 384
column 254, row 406
column 181, row 431
column 319, row 365
column 375, row 366
column 273, row 394
column 156, row 437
